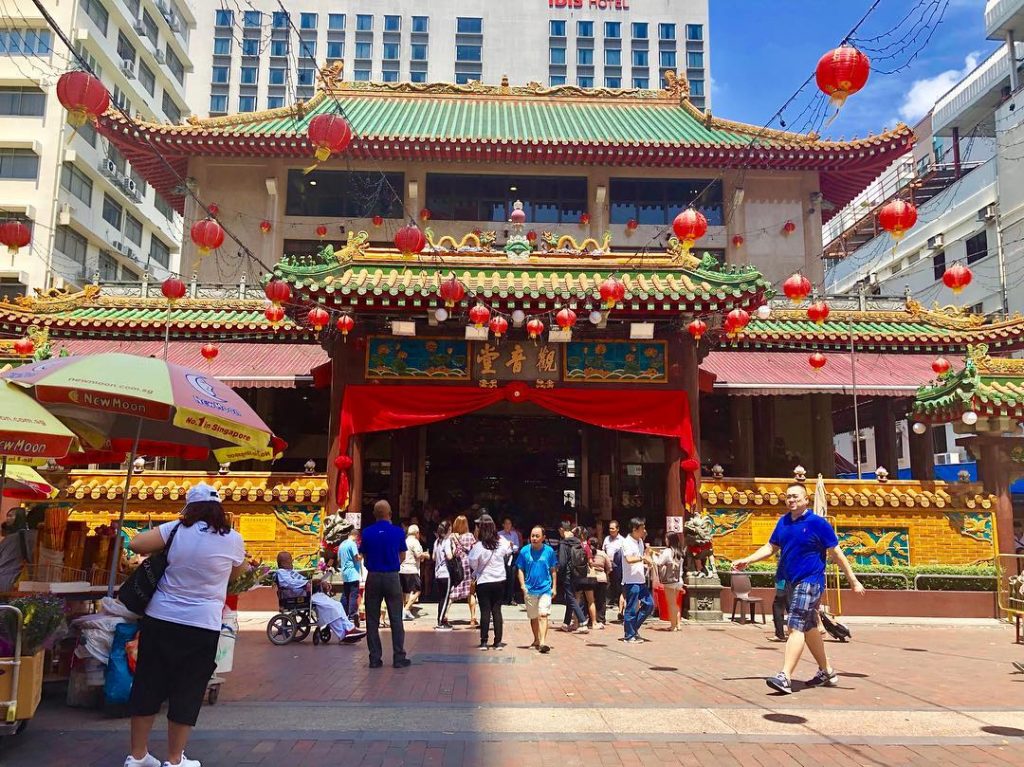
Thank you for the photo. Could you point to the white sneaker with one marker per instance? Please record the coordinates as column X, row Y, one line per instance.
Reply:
column 185, row 762
column 408, row 616
column 147, row 761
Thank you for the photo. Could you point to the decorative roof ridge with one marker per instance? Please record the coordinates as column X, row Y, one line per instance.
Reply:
column 998, row 367
column 844, row 492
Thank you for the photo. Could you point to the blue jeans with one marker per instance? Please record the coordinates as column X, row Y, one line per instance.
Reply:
column 639, row 607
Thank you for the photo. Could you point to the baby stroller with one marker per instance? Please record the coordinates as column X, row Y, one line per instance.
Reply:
column 295, row 620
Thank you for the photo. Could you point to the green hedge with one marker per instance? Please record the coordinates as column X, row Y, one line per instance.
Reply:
column 762, row 574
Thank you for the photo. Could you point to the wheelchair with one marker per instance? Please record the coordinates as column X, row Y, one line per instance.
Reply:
column 296, row 619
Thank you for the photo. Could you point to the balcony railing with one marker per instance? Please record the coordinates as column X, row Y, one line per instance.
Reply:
column 998, row 12
column 986, row 78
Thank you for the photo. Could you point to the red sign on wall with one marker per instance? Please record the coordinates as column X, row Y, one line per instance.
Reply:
column 601, row 5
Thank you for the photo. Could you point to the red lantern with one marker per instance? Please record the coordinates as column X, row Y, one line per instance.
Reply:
column 940, row 366
column 788, row 228
column 24, row 346
column 499, row 326
column 697, row 329
column 207, row 235
column 452, row 291
column 896, row 217
column 321, row 231
column 531, row 236
column 83, row 95
column 274, row 314
column 817, row 361
column 479, row 315
column 632, row 225
column 173, row 289
column 278, row 291
column 15, row 235
column 584, row 219
column 265, row 226
column 957, row 277
column 378, row 220
column 330, row 134
column 566, row 319
column 345, row 324
column 736, row 321
column 318, row 318
column 343, row 462
column 209, row 352
column 797, row 288
column 535, row 328
column 410, row 240
column 818, row 312
column 842, row 72
column 213, row 209
column 737, row 241
column 425, row 214
column 690, row 226
column 612, row 291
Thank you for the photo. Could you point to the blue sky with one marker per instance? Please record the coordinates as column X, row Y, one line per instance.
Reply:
column 762, row 50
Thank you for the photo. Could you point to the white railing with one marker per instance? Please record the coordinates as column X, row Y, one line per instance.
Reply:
column 985, row 78
column 894, row 179
column 997, row 12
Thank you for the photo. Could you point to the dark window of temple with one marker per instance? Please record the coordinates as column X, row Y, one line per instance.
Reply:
column 658, row 201
column 351, row 194
column 546, row 199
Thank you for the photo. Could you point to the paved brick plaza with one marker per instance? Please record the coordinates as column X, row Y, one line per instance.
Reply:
column 909, row 695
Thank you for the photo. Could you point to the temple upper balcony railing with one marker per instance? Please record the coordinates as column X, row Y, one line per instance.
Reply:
column 1002, row 16
column 149, row 287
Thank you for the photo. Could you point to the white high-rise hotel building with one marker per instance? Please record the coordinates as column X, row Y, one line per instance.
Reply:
column 252, row 55
column 89, row 211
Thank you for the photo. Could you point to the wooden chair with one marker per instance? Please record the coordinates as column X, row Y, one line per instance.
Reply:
column 741, row 598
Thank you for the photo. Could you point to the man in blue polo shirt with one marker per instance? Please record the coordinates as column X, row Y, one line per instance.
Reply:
column 382, row 548
column 802, row 540
column 537, row 567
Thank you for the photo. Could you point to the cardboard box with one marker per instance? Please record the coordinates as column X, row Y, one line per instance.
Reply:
column 30, row 683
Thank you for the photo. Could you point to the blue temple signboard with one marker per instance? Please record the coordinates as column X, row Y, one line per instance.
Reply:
column 435, row 359
column 620, row 361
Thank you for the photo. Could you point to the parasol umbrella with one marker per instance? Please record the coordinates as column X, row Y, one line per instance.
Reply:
column 28, row 433
column 122, row 403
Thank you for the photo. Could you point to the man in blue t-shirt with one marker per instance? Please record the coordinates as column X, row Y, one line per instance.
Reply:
column 537, row 566
column 348, row 562
column 802, row 540
column 382, row 547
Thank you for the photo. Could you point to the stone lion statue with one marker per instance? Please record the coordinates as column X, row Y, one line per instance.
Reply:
column 698, row 535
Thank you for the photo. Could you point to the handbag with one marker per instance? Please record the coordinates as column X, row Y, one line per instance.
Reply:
column 139, row 587
column 456, row 573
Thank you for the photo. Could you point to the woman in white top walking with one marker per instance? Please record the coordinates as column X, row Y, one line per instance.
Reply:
column 181, row 628
column 443, row 550
column 670, row 573
column 487, row 564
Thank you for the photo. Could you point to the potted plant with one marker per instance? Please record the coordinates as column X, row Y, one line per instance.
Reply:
column 43, row 625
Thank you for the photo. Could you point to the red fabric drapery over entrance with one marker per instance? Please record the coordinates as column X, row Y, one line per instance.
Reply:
column 664, row 413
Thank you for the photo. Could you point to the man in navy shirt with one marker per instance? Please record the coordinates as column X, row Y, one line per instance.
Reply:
column 382, row 548
column 802, row 540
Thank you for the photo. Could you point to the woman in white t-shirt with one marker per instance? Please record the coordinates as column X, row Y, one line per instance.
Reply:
column 670, row 564
column 487, row 565
column 181, row 628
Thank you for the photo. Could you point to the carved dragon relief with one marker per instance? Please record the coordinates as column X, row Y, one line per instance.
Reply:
column 57, row 299
column 567, row 243
column 481, row 241
column 993, row 366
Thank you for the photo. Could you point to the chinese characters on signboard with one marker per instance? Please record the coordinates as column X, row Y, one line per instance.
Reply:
column 516, row 361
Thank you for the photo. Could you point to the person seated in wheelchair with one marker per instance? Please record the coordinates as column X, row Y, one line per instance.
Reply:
column 293, row 586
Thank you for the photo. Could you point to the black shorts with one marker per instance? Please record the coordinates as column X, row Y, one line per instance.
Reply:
column 175, row 663
column 410, row 583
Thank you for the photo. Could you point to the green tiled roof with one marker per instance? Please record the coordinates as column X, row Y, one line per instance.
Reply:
column 987, row 386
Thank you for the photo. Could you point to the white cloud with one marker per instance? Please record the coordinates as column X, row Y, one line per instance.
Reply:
column 924, row 93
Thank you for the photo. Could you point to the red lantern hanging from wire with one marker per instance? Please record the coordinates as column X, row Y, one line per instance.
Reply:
column 499, row 326
column 941, row 366
column 479, row 315
column 818, row 312
column 897, row 217
column 84, row 96
column 584, row 219
column 531, row 236
column 817, row 361
column 207, row 234
column 842, row 72
column 277, row 291
column 797, row 288
column 697, row 329
column 24, row 346
column 321, row 231
column 452, row 291
column 345, row 324
column 425, row 214
column 737, row 241
column 209, row 352
column 632, row 225
column 274, row 314
column 957, row 277
column 409, row 240
column 378, row 220
column 173, row 289
column 788, row 228
column 265, row 226
column 329, row 134
column 318, row 318
column 566, row 319
column 689, row 226
column 736, row 321
column 212, row 209
column 612, row 291
column 15, row 235
column 535, row 328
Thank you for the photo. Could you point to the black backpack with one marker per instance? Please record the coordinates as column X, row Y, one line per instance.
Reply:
column 579, row 567
column 456, row 573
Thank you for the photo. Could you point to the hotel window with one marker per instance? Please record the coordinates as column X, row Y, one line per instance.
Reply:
column 278, row 76
column 392, row 23
column 222, row 46
column 335, row 50
column 696, row 87
column 22, row 102
column 25, row 42
column 224, row 18
column 667, row 32
column 420, row 24
column 643, row 83
column 585, row 57
column 694, row 32
column 98, row 14
column 390, row 75
column 391, row 51
column 307, row 49
column 246, row 103
column 76, row 182
column 174, row 64
column 667, row 59
column 640, row 58
column 158, row 251
column 469, row 26
column 362, row 75
column 19, row 163
column 466, row 197
column 585, row 82
column 107, row 267
column 464, row 78
column 278, row 47
column 352, row 194
column 418, row 51
column 218, row 103
column 125, row 50
column 280, row 20
column 613, row 82
column 163, row 207
column 556, row 28
column 364, row 23
column 418, row 77
column 613, row 30
column 695, row 60
column 307, row 21
column 171, row 109
column 113, row 213
column 248, row 75
column 219, row 75
column 658, row 202
column 69, row 242
column 556, row 80
column 584, row 29
column 275, row 102
column 152, row 32
column 133, row 229
column 467, row 53
column 558, row 56
column 977, row 247
column 251, row 46
column 305, row 76
column 613, row 57
column 639, row 30
column 147, row 78
column 364, row 50
column 336, row 22
column 252, row 19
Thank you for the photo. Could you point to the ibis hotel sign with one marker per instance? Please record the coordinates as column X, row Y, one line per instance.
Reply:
column 601, row 5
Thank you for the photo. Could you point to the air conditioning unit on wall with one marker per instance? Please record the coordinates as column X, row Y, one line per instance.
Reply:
column 947, row 459
column 936, row 242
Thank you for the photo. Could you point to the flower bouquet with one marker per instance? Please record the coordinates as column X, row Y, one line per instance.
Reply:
column 256, row 573
column 43, row 625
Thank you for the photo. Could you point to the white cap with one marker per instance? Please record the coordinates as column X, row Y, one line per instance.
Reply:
column 202, row 492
